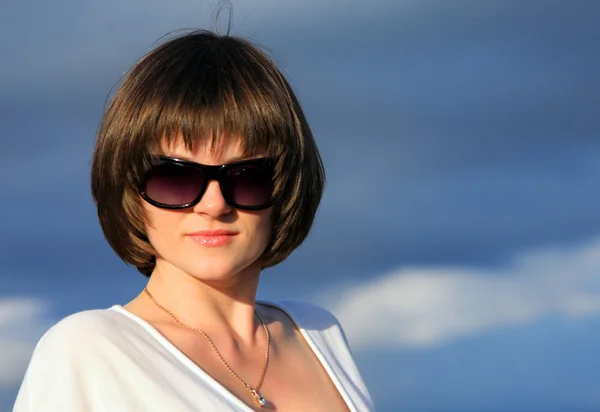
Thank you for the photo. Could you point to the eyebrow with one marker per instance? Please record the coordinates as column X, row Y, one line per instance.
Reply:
column 232, row 159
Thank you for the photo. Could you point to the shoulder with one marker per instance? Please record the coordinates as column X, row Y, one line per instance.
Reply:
column 310, row 317
column 305, row 311
column 86, row 324
column 78, row 335
column 66, row 361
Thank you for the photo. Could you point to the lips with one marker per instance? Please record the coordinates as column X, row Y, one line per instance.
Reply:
column 213, row 238
column 218, row 232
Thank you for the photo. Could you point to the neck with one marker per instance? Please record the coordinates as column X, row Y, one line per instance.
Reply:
column 223, row 306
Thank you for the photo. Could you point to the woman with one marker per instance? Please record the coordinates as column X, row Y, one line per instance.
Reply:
column 204, row 173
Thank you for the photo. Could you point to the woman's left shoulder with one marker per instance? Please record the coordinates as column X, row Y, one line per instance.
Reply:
column 308, row 316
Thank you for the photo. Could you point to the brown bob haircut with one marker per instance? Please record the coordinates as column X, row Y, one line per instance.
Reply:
column 204, row 87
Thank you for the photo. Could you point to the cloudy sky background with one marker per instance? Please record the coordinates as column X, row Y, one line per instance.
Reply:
column 458, row 239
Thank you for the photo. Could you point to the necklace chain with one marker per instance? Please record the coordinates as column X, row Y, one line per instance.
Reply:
column 253, row 390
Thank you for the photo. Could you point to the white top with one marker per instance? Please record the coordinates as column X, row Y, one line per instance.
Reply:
column 110, row 360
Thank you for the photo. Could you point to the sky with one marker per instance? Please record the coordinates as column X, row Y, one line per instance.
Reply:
column 458, row 240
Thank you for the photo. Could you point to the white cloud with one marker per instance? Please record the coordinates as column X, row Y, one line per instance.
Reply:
column 430, row 306
column 22, row 322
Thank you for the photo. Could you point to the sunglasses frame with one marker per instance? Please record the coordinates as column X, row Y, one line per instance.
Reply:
column 217, row 173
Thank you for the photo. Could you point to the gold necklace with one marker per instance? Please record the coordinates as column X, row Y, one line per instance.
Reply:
column 260, row 401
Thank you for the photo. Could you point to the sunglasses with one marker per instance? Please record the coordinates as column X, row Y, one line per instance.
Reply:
column 171, row 183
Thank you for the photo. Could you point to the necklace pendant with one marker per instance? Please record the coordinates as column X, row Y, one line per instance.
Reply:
column 260, row 401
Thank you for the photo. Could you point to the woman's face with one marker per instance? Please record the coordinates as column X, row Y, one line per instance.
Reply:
column 183, row 240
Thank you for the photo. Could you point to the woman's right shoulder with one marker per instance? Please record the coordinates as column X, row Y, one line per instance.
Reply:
column 81, row 330
column 69, row 360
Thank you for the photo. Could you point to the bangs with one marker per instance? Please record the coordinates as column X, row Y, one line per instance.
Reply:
column 210, row 96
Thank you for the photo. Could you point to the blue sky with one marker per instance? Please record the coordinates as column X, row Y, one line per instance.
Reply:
column 461, row 141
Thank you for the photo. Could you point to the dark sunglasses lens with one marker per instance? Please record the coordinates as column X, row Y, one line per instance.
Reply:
column 173, row 185
column 250, row 185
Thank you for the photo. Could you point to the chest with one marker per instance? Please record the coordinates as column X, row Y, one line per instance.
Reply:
column 295, row 379
column 299, row 382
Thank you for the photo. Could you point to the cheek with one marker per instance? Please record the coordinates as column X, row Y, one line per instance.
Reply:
column 259, row 227
column 265, row 227
column 160, row 224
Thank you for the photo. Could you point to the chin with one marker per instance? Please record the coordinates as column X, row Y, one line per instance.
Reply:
column 204, row 270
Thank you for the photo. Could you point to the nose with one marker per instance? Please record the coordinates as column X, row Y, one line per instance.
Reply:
column 212, row 202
